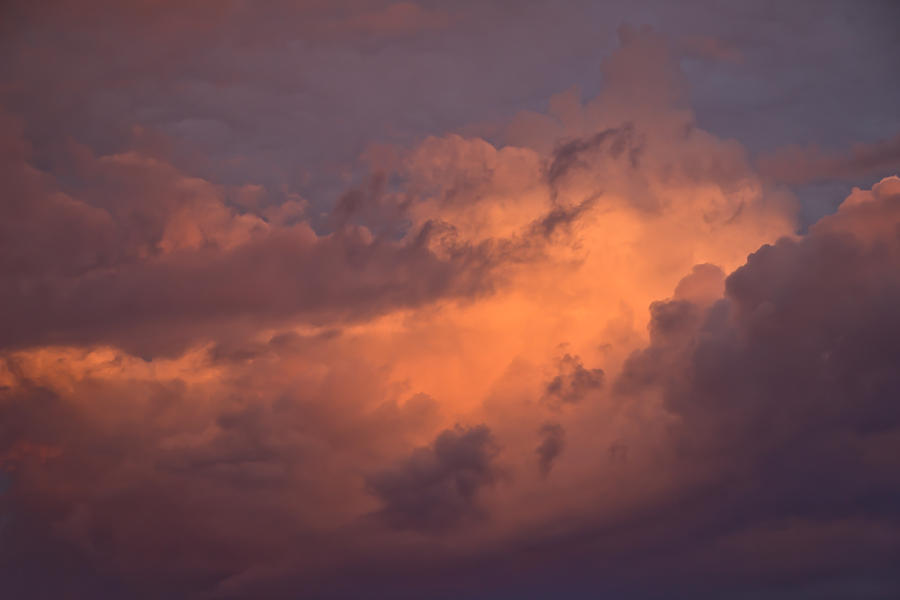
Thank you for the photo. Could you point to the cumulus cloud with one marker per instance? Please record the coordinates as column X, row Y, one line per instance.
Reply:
column 115, row 458
column 156, row 260
column 213, row 387
column 786, row 387
column 151, row 259
column 437, row 487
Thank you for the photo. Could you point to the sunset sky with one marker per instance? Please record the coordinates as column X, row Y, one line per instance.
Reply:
column 500, row 300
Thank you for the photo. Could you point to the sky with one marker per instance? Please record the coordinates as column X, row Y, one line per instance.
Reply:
column 435, row 300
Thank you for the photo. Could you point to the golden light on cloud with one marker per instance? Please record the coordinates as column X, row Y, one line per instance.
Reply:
column 592, row 340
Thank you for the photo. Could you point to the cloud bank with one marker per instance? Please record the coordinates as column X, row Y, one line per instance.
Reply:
column 545, row 364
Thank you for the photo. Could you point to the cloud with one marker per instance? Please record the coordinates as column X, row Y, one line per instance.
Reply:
column 551, row 446
column 113, row 457
column 216, row 387
column 158, row 260
column 798, row 165
column 785, row 389
column 437, row 487
column 573, row 382
column 566, row 156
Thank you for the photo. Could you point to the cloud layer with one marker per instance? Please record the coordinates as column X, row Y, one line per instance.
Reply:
column 583, row 345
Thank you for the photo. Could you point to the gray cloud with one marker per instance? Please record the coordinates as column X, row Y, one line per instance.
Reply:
column 764, row 461
column 798, row 165
column 437, row 487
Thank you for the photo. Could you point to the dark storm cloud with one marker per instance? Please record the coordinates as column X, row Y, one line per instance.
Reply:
column 437, row 487
column 789, row 385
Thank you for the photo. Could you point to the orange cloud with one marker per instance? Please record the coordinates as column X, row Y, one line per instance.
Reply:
column 486, row 352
